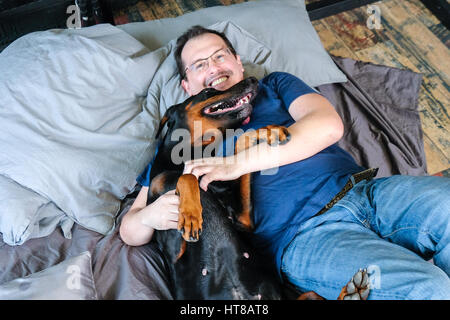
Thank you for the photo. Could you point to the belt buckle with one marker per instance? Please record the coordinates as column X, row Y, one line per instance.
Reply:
column 367, row 174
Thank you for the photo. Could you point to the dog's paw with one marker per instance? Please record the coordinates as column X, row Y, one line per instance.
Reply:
column 357, row 288
column 190, row 224
column 272, row 134
column 276, row 135
column 190, row 209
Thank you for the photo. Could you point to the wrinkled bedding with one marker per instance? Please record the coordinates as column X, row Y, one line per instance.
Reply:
column 379, row 107
column 119, row 271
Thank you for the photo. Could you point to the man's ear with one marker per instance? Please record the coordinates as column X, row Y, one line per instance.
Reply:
column 238, row 58
column 185, row 86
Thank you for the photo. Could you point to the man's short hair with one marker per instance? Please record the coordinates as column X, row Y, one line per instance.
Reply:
column 193, row 32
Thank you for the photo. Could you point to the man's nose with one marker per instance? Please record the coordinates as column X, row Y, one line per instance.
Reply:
column 213, row 69
column 212, row 66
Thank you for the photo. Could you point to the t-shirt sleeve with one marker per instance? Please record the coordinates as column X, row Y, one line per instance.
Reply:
column 288, row 87
column 144, row 178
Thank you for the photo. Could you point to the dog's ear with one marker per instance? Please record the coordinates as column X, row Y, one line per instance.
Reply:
column 168, row 118
column 161, row 125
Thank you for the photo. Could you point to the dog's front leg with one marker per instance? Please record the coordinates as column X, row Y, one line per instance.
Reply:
column 190, row 209
column 273, row 135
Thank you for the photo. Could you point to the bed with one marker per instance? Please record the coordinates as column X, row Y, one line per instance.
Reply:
column 78, row 113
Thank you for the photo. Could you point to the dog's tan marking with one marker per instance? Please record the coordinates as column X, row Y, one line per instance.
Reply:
column 182, row 250
column 157, row 185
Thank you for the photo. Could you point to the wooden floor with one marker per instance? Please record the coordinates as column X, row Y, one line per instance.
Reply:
column 410, row 37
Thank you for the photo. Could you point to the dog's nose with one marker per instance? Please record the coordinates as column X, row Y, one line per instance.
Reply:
column 252, row 80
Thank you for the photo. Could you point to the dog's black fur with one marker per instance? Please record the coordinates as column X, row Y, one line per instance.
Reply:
column 221, row 264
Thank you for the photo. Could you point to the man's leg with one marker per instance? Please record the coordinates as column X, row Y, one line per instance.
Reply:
column 413, row 212
column 330, row 248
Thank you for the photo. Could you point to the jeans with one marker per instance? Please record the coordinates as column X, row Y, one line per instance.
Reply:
column 391, row 226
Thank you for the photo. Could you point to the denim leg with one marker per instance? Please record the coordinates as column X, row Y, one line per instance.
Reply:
column 330, row 248
column 413, row 212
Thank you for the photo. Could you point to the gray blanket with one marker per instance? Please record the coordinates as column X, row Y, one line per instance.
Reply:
column 379, row 107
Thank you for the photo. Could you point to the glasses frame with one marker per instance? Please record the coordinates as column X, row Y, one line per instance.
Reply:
column 226, row 50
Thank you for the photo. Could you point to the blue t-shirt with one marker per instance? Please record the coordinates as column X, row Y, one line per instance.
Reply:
column 297, row 191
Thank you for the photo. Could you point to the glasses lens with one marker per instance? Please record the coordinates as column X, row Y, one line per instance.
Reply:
column 219, row 57
column 199, row 66
column 202, row 65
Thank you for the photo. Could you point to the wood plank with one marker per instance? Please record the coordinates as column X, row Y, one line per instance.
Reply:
column 383, row 54
column 414, row 38
column 436, row 160
column 410, row 38
column 351, row 28
column 157, row 9
column 333, row 44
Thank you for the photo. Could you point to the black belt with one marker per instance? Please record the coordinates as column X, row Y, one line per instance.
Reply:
column 368, row 174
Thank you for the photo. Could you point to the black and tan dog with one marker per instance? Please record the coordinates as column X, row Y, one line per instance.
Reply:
column 219, row 264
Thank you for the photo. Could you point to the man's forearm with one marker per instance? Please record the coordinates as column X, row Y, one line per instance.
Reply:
column 313, row 133
column 133, row 229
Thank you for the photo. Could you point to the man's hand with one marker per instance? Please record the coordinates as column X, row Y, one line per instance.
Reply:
column 215, row 169
column 162, row 214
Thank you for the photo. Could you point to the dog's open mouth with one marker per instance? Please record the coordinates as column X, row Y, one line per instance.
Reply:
column 228, row 105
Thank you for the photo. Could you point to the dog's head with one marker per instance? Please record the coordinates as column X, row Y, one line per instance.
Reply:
column 212, row 110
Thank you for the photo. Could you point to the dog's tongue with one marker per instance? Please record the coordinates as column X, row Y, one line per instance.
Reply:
column 247, row 120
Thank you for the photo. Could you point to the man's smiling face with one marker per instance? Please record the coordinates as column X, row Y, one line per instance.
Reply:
column 218, row 75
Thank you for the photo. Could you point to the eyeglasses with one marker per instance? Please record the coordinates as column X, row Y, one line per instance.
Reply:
column 202, row 65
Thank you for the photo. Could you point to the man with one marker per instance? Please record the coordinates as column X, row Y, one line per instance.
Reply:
column 388, row 225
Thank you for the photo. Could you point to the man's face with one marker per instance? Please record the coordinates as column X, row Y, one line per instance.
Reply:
column 221, row 74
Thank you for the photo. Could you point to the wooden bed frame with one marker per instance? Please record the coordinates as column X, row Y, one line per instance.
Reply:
column 47, row 14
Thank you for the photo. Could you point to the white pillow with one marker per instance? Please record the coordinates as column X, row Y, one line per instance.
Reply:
column 71, row 279
column 24, row 214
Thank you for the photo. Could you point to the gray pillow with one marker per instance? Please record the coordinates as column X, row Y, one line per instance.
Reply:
column 74, row 127
column 71, row 279
column 24, row 214
column 165, row 89
column 282, row 26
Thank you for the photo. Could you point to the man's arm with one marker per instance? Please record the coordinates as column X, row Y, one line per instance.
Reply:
column 139, row 223
column 317, row 126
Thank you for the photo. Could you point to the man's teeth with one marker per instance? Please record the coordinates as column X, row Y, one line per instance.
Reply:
column 218, row 81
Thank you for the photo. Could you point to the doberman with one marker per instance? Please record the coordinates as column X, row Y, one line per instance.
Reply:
column 221, row 264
